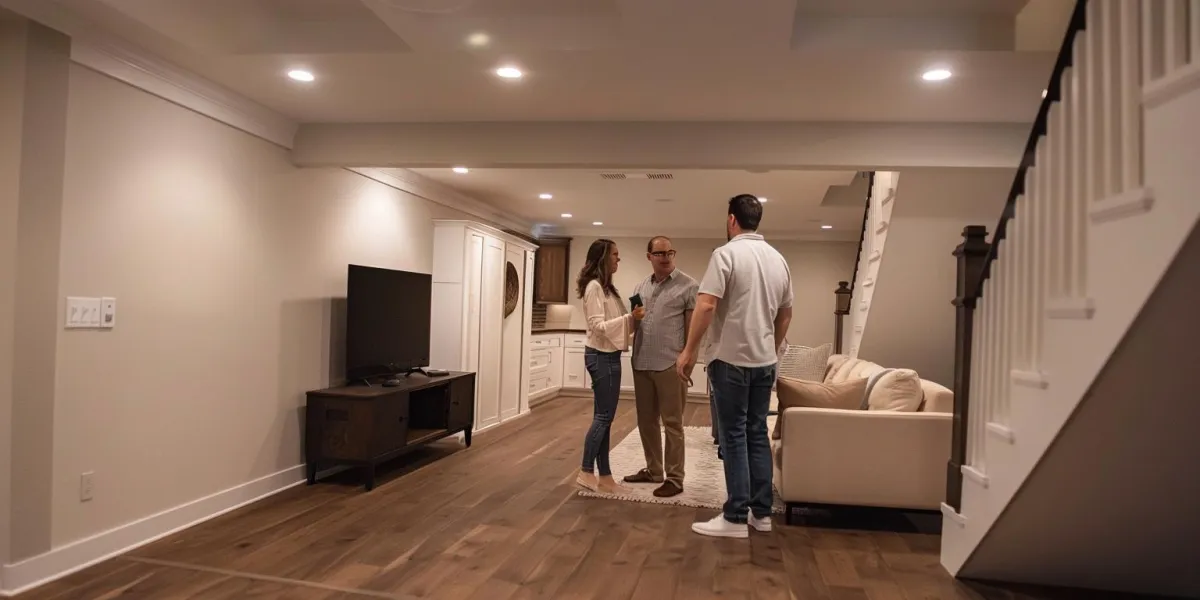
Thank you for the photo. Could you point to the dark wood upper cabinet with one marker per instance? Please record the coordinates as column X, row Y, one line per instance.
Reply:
column 552, row 271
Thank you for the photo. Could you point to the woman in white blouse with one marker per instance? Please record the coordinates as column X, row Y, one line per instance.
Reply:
column 609, row 328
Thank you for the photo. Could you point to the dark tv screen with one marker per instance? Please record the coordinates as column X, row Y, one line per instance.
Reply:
column 387, row 321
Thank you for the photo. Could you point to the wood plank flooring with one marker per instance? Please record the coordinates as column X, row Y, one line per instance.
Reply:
column 502, row 521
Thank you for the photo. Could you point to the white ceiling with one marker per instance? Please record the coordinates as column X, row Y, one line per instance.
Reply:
column 408, row 60
column 635, row 205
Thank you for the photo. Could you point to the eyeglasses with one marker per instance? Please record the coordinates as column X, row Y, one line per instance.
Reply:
column 663, row 253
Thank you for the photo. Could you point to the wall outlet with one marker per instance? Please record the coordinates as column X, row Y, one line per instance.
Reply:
column 86, row 486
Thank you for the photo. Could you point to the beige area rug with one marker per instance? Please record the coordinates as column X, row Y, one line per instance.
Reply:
column 704, row 473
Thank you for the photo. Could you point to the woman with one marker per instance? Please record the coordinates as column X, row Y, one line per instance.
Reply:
column 609, row 327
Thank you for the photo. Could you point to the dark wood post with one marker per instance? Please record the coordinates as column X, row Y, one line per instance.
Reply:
column 841, row 308
column 972, row 258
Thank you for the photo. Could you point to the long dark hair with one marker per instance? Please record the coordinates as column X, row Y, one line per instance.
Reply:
column 597, row 267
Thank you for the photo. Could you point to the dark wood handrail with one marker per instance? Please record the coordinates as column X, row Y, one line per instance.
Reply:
column 862, row 237
column 1053, row 93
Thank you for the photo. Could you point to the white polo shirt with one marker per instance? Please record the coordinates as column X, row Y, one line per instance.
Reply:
column 753, row 282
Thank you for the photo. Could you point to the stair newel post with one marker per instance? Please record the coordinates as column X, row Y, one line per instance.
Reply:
column 840, row 310
column 972, row 258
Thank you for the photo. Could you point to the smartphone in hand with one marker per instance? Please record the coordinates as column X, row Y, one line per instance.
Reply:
column 635, row 301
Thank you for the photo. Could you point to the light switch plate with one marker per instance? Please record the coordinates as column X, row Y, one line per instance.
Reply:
column 83, row 313
column 108, row 313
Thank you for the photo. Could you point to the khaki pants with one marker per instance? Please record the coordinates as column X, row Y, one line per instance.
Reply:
column 660, row 397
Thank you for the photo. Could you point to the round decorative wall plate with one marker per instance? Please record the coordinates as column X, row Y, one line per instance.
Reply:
column 512, row 289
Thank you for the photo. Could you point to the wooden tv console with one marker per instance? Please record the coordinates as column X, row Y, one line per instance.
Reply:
column 362, row 426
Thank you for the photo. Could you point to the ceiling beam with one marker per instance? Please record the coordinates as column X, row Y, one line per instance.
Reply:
column 675, row 145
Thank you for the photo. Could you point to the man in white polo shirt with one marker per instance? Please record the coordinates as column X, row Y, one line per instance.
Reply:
column 746, row 296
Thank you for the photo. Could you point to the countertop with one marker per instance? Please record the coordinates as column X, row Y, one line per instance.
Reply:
column 537, row 331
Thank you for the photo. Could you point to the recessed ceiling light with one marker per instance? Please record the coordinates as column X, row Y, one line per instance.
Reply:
column 479, row 39
column 936, row 75
column 597, row 222
column 827, row 227
column 761, row 199
column 566, row 215
column 1044, row 92
column 301, row 75
column 461, row 170
column 546, row 196
column 509, row 72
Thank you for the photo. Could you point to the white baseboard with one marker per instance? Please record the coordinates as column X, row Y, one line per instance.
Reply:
column 64, row 560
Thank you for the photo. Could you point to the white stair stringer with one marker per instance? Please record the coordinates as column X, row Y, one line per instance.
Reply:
column 878, row 216
column 1132, row 240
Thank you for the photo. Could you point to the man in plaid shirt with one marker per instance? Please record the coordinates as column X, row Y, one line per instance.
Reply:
column 669, row 296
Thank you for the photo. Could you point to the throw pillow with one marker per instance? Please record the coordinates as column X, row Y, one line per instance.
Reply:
column 798, row 393
column 803, row 362
column 895, row 390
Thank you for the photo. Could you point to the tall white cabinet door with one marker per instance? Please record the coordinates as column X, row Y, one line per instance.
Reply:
column 470, row 316
column 491, row 331
column 512, row 327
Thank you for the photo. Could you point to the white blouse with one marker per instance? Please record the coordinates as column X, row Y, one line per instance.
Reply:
column 609, row 324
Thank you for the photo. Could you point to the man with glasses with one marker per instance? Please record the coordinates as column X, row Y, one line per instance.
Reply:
column 669, row 296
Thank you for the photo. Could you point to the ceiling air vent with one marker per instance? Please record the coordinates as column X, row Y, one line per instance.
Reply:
column 612, row 176
column 659, row 176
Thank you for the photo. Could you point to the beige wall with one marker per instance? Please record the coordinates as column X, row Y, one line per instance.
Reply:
column 911, row 321
column 34, row 111
column 224, row 259
column 816, row 269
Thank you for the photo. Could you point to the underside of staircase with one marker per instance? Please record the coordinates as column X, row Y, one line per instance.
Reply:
column 1077, row 418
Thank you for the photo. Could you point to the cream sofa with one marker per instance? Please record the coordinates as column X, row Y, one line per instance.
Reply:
column 883, row 458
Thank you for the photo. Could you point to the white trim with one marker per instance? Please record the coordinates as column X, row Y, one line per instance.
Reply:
column 186, row 89
column 64, row 560
column 686, row 234
column 1122, row 206
column 953, row 516
column 428, row 189
column 1002, row 432
column 1033, row 379
column 869, row 283
column 883, row 226
column 974, row 475
column 1171, row 86
column 1070, row 308
column 875, row 256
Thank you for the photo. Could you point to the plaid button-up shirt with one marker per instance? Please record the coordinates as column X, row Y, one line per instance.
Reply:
column 660, row 336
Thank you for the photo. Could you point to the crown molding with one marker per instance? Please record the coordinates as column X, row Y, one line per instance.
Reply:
column 157, row 77
column 428, row 189
column 98, row 49
column 690, row 234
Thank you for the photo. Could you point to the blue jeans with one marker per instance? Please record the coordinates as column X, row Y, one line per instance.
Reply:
column 743, row 397
column 605, row 371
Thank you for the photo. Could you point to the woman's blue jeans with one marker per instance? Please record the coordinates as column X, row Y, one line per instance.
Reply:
column 605, row 371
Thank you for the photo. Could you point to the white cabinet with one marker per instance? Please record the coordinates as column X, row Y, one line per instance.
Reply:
column 627, row 371
column 574, row 372
column 469, row 330
column 545, row 364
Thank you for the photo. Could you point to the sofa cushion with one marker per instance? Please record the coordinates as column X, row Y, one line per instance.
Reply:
column 938, row 398
column 803, row 362
column 798, row 393
column 895, row 390
column 851, row 368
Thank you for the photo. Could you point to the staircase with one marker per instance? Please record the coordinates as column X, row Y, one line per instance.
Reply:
column 880, row 196
column 1086, row 254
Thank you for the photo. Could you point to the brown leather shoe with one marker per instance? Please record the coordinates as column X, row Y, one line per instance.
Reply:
column 643, row 476
column 668, row 489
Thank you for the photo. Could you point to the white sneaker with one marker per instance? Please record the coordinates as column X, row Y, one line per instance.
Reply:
column 719, row 527
column 763, row 524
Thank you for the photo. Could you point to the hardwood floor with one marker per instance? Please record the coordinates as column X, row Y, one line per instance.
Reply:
column 502, row 521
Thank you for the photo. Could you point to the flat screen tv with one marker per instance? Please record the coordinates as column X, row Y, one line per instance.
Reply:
column 387, row 322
